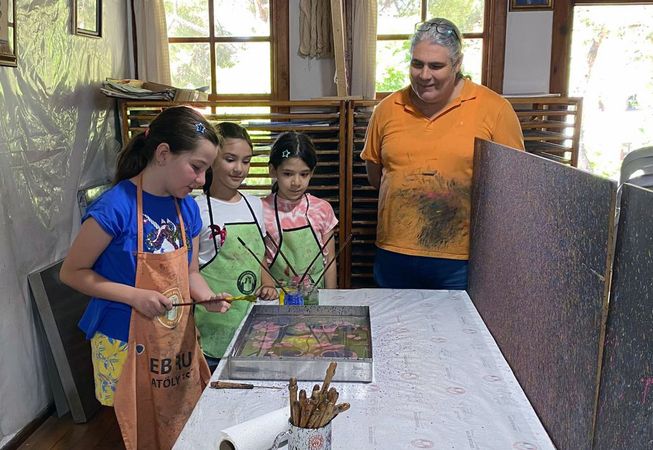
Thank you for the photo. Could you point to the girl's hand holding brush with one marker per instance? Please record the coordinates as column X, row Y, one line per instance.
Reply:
column 219, row 300
column 217, row 303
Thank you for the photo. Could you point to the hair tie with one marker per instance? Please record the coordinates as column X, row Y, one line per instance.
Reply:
column 285, row 153
column 200, row 128
column 147, row 132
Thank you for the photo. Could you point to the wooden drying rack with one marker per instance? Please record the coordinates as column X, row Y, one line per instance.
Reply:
column 551, row 127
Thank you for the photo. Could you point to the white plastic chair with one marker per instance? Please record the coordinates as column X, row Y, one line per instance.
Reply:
column 637, row 168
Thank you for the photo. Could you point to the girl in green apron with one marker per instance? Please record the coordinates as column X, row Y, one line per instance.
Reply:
column 226, row 216
column 296, row 222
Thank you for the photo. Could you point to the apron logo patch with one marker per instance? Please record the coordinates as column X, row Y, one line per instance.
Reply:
column 246, row 282
column 140, row 348
column 171, row 318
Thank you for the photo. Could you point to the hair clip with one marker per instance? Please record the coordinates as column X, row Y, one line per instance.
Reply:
column 200, row 128
column 146, row 132
column 285, row 154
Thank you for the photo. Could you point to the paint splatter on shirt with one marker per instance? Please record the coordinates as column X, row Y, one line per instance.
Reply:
column 424, row 197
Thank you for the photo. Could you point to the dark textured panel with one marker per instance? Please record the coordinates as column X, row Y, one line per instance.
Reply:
column 539, row 259
column 60, row 308
column 625, row 415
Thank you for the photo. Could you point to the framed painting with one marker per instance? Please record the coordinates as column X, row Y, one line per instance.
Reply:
column 87, row 18
column 8, row 33
column 531, row 5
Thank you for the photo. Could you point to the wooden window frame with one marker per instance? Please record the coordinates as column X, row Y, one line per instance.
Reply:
column 279, row 55
column 494, row 43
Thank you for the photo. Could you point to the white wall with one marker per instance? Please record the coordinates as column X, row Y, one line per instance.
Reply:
column 528, row 52
column 309, row 78
column 57, row 133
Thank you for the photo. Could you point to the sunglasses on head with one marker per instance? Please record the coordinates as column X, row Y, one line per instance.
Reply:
column 440, row 27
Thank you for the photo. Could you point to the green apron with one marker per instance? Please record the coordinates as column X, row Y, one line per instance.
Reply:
column 299, row 246
column 235, row 271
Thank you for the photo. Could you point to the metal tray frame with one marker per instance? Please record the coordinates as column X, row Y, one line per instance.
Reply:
column 301, row 367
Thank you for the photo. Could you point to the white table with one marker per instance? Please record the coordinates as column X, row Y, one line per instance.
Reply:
column 440, row 382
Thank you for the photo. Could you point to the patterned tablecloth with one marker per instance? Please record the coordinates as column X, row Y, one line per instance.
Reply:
column 440, row 382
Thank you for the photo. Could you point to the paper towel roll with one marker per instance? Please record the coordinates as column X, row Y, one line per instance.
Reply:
column 255, row 434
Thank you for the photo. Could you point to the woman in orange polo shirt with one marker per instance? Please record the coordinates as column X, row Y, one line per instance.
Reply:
column 419, row 151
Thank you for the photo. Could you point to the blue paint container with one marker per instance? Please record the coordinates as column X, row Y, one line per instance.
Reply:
column 293, row 299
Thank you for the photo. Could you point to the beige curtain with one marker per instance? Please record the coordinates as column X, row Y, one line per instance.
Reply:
column 151, row 41
column 363, row 51
column 315, row 31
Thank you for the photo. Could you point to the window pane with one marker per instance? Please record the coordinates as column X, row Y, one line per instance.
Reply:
column 243, row 68
column 392, row 61
column 187, row 18
column 190, row 66
column 242, row 18
column 473, row 58
column 398, row 17
column 611, row 69
column 466, row 14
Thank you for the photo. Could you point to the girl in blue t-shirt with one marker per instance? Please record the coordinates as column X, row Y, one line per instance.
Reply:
column 136, row 256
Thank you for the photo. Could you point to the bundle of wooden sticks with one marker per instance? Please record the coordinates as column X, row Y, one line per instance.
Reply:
column 318, row 410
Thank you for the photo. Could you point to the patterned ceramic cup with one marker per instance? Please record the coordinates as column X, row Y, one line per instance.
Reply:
column 305, row 438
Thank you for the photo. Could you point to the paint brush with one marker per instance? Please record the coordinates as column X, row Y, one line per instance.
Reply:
column 320, row 253
column 283, row 256
column 317, row 282
column 242, row 298
column 262, row 265
column 231, row 385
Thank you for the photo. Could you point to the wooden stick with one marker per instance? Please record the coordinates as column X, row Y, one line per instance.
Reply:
column 333, row 395
column 331, row 371
column 342, row 247
column 326, row 415
column 317, row 415
column 296, row 412
column 262, row 265
column 342, row 407
column 316, row 392
column 320, row 253
column 306, row 417
column 292, row 390
column 302, row 407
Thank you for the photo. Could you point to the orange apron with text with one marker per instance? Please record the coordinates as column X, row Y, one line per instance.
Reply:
column 165, row 372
